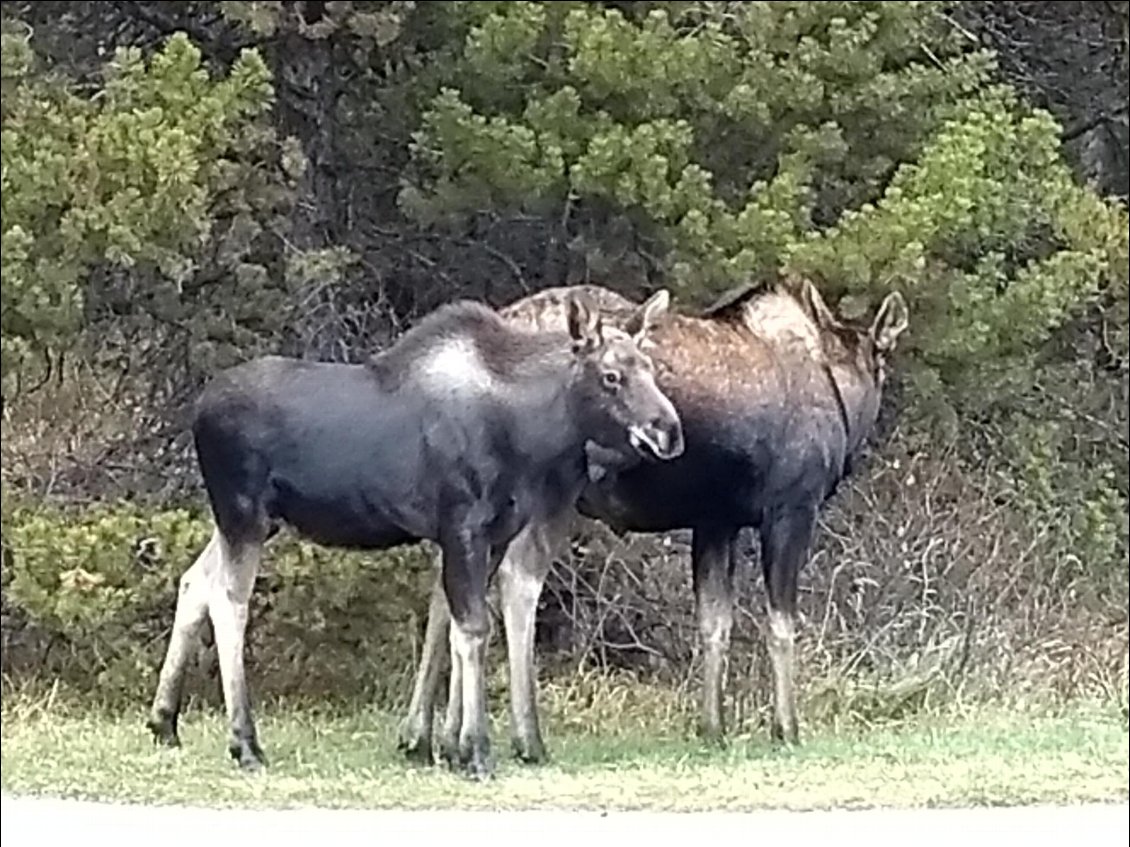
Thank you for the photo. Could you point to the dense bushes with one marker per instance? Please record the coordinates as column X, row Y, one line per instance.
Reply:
column 89, row 597
column 129, row 180
column 930, row 581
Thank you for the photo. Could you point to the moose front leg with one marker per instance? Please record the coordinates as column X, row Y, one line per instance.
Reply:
column 713, row 559
column 521, row 577
column 453, row 714
column 466, row 566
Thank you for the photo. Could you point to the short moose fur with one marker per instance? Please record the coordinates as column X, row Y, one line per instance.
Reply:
column 462, row 432
column 776, row 396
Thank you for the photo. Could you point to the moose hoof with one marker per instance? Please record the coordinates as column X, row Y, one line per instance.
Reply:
column 449, row 751
column 713, row 736
column 163, row 725
column 478, row 766
column 784, row 737
column 248, row 754
column 529, row 751
column 416, row 748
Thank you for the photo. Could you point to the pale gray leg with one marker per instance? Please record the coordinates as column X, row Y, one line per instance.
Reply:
column 522, row 575
column 469, row 642
column 228, row 604
column 453, row 714
column 786, row 539
column 782, row 655
column 713, row 568
column 416, row 729
column 191, row 612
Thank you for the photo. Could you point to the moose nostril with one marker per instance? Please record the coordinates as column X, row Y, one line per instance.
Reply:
column 668, row 436
column 675, row 444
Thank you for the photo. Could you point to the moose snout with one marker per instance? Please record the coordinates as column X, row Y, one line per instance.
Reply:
column 671, row 437
column 662, row 436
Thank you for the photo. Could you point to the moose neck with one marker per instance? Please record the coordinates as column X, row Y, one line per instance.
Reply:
column 846, row 415
column 857, row 403
column 550, row 401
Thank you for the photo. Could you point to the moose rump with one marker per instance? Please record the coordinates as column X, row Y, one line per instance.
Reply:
column 460, row 433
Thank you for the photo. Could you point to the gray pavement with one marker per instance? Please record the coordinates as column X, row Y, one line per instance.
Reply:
column 40, row 821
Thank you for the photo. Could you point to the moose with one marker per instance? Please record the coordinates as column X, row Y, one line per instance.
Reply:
column 463, row 432
column 776, row 397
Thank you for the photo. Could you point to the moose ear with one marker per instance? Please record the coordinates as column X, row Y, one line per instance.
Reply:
column 641, row 321
column 890, row 322
column 816, row 306
column 584, row 324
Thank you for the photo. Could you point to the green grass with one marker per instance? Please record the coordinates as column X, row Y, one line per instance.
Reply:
column 349, row 760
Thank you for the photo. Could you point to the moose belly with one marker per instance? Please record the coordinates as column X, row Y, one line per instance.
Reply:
column 661, row 496
column 340, row 517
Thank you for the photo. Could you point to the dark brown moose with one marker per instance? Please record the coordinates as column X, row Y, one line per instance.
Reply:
column 463, row 432
column 776, row 397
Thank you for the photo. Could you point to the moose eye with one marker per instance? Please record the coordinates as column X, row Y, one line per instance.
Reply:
column 612, row 379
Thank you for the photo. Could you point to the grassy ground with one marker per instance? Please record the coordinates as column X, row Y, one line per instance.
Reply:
column 981, row 757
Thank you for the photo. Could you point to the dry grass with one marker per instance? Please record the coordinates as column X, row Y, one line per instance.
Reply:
column 613, row 747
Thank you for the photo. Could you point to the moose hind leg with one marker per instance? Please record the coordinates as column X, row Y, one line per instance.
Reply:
column 786, row 540
column 713, row 570
column 782, row 654
column 228, row 604
column 415, row 736
column 191, row 611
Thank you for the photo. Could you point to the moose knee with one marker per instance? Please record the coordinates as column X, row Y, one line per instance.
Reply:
column 520, row 586
column 470, row 633
column 715, row 623
column 782, row 631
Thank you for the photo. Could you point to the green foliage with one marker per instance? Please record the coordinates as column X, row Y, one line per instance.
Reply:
column 125, row 179
column 855, row 142
column 863, row 144
column 1067, row 474
column 731, row 126
column 78, row 579
column 989, row 234
column 379, row 23
column 101, row 586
